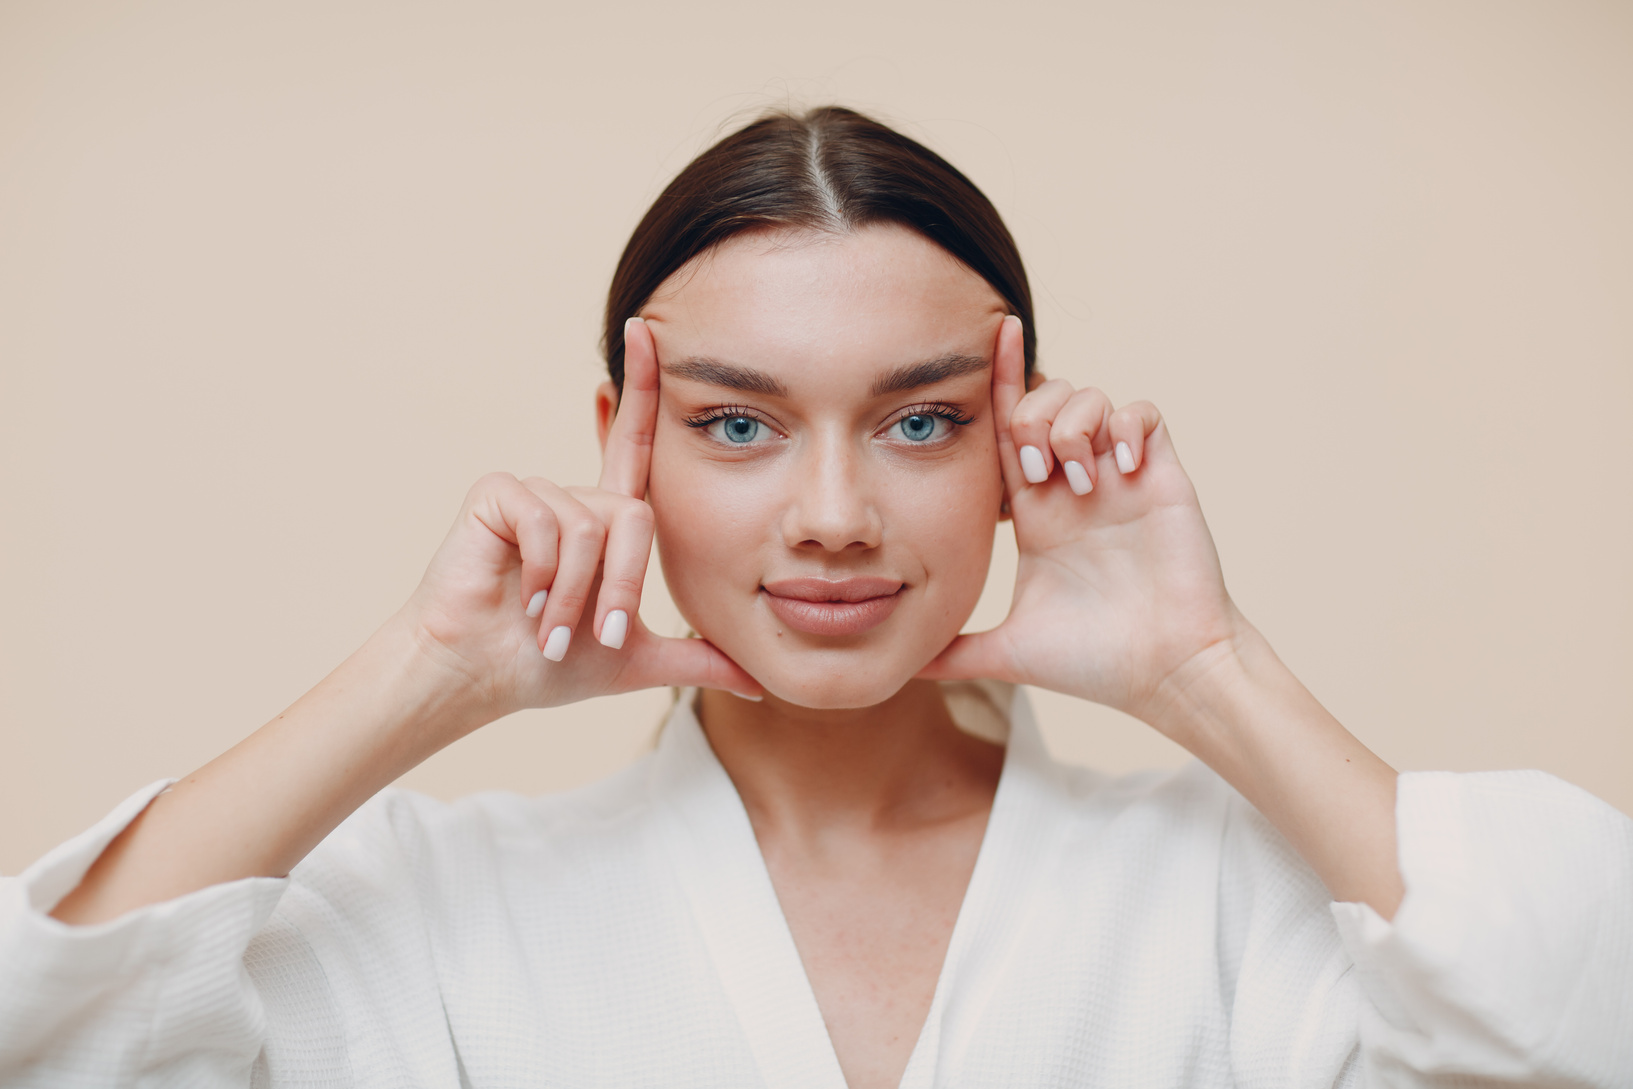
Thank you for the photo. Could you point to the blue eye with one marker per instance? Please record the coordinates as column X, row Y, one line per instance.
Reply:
column 738, row 429
column 922, row 427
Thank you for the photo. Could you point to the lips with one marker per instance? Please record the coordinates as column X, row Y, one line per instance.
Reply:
column 833, row 606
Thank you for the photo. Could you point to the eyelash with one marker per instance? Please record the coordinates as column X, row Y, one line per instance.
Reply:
column 722, row 412
column 946, row 412
column 727, row 412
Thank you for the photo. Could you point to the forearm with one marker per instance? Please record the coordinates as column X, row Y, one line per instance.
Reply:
column 1244, row 714
column 260, row 807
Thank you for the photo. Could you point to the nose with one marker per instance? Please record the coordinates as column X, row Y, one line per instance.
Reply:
column 832, row 504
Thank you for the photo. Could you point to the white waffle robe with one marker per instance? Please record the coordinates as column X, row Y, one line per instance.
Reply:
column 1144, row 931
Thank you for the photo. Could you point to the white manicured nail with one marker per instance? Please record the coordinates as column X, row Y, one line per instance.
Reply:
column 535, row 604
column 555, row 647
column 614, row 628
column 1078, row 478
column 751, row 699
column 1032, row 466
column 1125, row 458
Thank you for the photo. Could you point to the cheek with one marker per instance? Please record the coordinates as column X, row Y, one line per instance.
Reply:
column 953, row 517
column 708, row 520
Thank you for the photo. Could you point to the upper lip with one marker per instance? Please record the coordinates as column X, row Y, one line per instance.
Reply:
column 860, row 588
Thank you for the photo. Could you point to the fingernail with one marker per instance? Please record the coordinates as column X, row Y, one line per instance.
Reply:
column 555, row 647
column 1078, row 478
column 751, row 699
column 535, row 604
column 1032, row 466
column 614, row 628
column 1125, row 458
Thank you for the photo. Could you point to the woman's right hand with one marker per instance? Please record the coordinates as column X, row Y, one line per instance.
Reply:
column 257, row 809
column 532, row 600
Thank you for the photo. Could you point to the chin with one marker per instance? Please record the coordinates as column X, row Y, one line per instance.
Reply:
column 829, row 693
column 834, row 675
column 831, row 680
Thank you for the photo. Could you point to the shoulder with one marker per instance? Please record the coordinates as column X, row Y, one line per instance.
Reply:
column 1189, row 800
column 400, row 833
column 1186, row 826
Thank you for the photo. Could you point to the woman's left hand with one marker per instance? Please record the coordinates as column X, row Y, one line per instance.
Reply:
column 1119, row 600
column 1118, row 592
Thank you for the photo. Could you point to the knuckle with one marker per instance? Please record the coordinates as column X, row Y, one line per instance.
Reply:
column 623, row 586
column 568, row 602
column 587, row 532
column 1066, row 432
column 1028, row 418
column 1091, row 401
column 638, row 513
column 537, row 511
column 540, row 521
column 490, row 482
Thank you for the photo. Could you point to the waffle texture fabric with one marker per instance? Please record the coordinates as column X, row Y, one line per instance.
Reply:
column 1147, row 930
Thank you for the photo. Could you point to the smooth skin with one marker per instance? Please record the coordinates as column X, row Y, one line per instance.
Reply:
column 868, row 803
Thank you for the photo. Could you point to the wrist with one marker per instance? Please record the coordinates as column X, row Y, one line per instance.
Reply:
column 1242, row 712
column 1200, row 703
column 427, row 696
column 1238, row 708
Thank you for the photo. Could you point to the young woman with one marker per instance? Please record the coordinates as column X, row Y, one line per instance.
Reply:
column 849, row 861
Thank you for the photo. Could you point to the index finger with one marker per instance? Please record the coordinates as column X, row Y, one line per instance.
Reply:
column 628, row 455
column 1008, row 387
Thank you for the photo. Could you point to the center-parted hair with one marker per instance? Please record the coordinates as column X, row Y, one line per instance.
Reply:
column 829, row 169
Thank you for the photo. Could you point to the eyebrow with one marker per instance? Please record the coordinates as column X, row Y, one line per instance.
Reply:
column 701, row 368
column 909, row 376
column 927, row 373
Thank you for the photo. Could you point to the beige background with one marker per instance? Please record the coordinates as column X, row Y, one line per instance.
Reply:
column 278, row 281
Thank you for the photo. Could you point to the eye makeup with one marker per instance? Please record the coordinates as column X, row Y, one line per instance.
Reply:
column 950, row 413
column 926, row 425
column 723, row 412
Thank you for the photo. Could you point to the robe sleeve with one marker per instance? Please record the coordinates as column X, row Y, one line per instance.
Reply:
column 157, row 995
column 1509, row 962
column 1511, row 958
column 321, row 978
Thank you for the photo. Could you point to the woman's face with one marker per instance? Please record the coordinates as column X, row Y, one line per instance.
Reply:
column 824, row 473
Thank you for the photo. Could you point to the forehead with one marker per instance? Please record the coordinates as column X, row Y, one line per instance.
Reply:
column 788, row 302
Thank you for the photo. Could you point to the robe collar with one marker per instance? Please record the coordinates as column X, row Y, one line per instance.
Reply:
column 717, row 861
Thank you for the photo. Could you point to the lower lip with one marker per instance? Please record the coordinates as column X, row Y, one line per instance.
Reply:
column 832, row 617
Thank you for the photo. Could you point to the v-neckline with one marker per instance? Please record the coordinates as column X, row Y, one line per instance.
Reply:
column 719, row 865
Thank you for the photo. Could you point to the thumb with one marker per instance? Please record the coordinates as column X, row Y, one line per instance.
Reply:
column 687, row 663
column 983, row 655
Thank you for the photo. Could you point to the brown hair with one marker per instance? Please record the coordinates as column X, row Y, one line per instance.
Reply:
column 830, row 169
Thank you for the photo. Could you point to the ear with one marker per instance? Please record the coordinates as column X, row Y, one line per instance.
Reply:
column 606, row 407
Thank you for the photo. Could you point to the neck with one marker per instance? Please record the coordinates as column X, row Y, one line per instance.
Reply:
column 810, row 773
